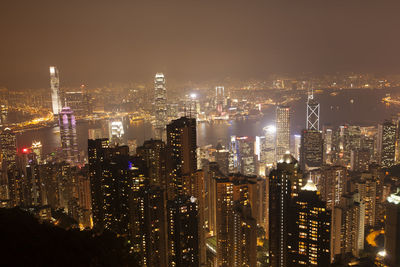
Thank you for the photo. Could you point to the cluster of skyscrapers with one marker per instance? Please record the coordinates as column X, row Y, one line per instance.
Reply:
column 270, row 200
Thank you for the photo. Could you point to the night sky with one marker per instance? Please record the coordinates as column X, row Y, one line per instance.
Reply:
column 97, row 42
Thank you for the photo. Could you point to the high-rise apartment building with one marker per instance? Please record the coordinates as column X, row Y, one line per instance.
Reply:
column 154, row 154
column 280, row 186
column 386, row 143
column 181, row 145
column 182, row 227
column 392, row 230
column 310, row 231
column 282, row 131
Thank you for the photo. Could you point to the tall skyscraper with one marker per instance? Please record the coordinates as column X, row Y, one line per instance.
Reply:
column 392, row 230
column 282, row 131
column 182, row 157
column 311, row 224
column 311, row 149
column 242, row 155
column 386, row 143
column 55, row 90
column 160, row 104
column 11, row 182
column 284, row 182
column 69, row 141
column 182, row 227
column 235, row 223
column 270, row 143
column 154, row 154
column 151, row 217
column 116, row 131
column 115, row 179
column 312, row 113
column 219, row 98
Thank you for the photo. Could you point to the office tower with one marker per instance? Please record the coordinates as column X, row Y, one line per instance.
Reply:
column 311, row 225
column 366, row 188
column 181, row 157
column 116, row 131
column 69, row 142
column 392, row 230
column 78, row 101
column 296, row 147
column 182, row 227
column 154, row 154
column 221, row 156
column 311, row 149
column 160, row 104
column 349, row 139
column 282, row 131
column 219, row 98
column 270, row 143
column 360, row 159
column 312, row 113
column 386, row 143
column 328, row 136
column 55, row 91
column 37, row 150
column 242, row 155
column 332, row 185
column 284, row 182
column 152, row 225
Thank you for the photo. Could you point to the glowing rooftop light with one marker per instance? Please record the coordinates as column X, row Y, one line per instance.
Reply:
column 394, row 198
column 310, row 186
column 270, row 129
column 193, row 95
column 382, row 253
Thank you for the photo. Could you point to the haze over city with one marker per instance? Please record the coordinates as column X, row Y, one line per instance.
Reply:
column 97, row 42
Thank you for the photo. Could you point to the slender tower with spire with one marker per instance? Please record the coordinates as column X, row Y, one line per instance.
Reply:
column 312, row 112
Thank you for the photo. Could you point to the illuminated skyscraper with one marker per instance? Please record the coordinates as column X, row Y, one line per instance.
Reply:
column 312, row 113
column 242, row 155
column 279, row 213
column 69, row 141
column 311, row 149
column 386, row 143
column 282, row 131
column 154, row 154
column 117, row 132
column 55, row 90
column 182, row 157
column 219, row 98
column 311, row 225
column 37, row 150
column 160, row 104
column 182, row 227
column 270, row 143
